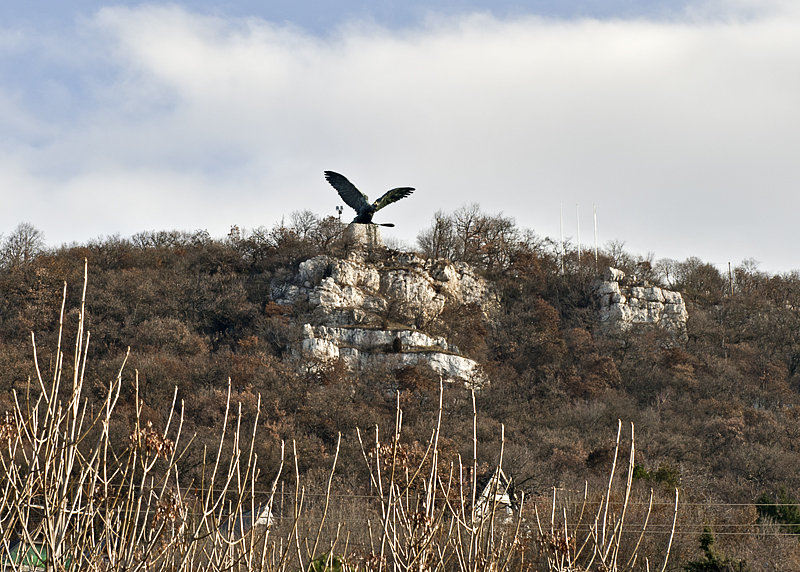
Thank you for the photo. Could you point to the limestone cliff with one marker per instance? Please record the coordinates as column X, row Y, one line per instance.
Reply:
column 374, row 309
column 625, row 302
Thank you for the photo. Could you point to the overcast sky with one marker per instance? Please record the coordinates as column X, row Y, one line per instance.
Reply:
column 680, row 121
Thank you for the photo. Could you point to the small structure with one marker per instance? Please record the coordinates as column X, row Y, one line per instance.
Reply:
column 22, row 557
column 496, row 496
column 240, row 523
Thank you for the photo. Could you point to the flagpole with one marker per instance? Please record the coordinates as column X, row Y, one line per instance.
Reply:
column 578, row 222
column 594, row 208
column 561, row 225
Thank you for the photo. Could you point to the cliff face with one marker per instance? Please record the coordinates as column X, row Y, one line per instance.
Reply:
column 370, row 310
column 378, row 307
column 625, row 302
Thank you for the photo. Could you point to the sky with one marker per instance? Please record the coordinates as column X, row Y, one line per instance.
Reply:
column 678, row 122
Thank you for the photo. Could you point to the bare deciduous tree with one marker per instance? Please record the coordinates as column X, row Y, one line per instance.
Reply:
column 21, row 246
column 469, row 235
column 304, row 223
column 438, row 241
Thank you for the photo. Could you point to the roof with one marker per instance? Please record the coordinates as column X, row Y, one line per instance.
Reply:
column 25, row 557
column 496, row 493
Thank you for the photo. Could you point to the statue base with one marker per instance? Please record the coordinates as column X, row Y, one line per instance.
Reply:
column 363, row 238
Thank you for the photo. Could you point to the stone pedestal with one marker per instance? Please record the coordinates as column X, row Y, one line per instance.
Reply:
column 363, row 238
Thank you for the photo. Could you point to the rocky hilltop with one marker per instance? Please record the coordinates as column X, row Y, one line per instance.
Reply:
column 374, row 307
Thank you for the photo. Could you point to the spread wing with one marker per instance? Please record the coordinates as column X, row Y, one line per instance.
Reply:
column 392, row 196
column 347, row 190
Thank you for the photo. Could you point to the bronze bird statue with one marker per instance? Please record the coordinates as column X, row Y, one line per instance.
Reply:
column 360, row 202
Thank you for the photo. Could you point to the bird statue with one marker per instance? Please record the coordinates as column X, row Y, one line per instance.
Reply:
column 360, row 202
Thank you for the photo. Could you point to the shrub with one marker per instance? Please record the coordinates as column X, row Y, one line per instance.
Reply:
column 713, row 562
column 784, row 511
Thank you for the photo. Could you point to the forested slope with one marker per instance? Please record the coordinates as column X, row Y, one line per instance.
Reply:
column 715, row 415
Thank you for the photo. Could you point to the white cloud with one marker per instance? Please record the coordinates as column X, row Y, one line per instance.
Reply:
column 684, row 133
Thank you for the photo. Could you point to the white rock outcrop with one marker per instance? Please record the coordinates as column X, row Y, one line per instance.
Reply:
column 361, row 348
column 368, row 310
column 403, row 287
column 624, row 303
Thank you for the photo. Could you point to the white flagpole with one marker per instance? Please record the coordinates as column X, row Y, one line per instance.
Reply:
column 594, row 208
column 561, row 224
column 578, row 222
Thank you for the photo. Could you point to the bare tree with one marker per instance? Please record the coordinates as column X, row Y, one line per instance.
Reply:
column 438, row 241
column 747, row 276
column 24, row 244
column 468, row 235
column 615, row 250
column 305, row 223
column 667, row 271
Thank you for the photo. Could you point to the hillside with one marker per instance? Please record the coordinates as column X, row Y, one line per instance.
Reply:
column 715, row 407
